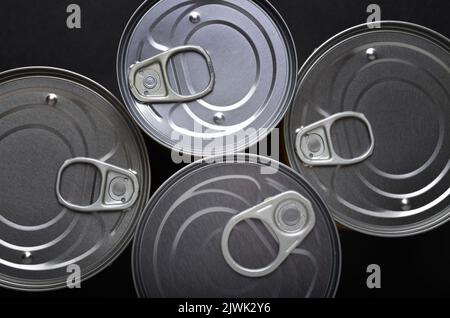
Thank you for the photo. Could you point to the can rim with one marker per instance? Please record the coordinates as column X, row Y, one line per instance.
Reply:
column 378, row 231
column 30, row 71
column 270, row 9
column 333, row 285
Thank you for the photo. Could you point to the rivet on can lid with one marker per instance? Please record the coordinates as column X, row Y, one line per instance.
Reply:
column 119, row 188
column 219, row 118
column 406, row 206
column 27, row 257
column 150, row 82
column 315, row 143
column 194, row 17
column 51, row 99
column 371, row 54
column 291, row 216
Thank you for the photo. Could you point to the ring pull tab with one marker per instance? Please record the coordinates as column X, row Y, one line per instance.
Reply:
column 288, row 216
column 119, row 188
column 149, row 80
column 314, row 143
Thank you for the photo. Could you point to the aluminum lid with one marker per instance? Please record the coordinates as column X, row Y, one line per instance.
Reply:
column 244, row 48
column 200, row 235
column 390, row 87
column 53, row 121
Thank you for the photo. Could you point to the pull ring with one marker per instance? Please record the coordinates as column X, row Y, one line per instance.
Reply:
column 288, row 216
column 314, row 144
column 149, row 81
column 119, row 188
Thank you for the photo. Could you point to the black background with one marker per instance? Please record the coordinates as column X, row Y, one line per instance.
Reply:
column 34, row 32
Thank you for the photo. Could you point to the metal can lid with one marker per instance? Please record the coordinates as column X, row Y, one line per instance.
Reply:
column 397, row 78
column 249, row 53
column 179, row 245
column 49, row 117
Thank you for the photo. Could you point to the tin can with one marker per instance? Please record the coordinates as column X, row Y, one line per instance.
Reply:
column 74, row 176
column 207, row 77
column 242, row 228
column 369, row 127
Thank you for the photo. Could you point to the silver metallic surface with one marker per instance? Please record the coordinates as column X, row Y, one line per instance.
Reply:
column 288, row 231
column 194, row 17
column 255, row 66
column 39, row 238
column 371, row 54
column 314, row 143
column 119, row 188
column 177, row 251
column 404, row 187
column 52, row 99
column 149, row 81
